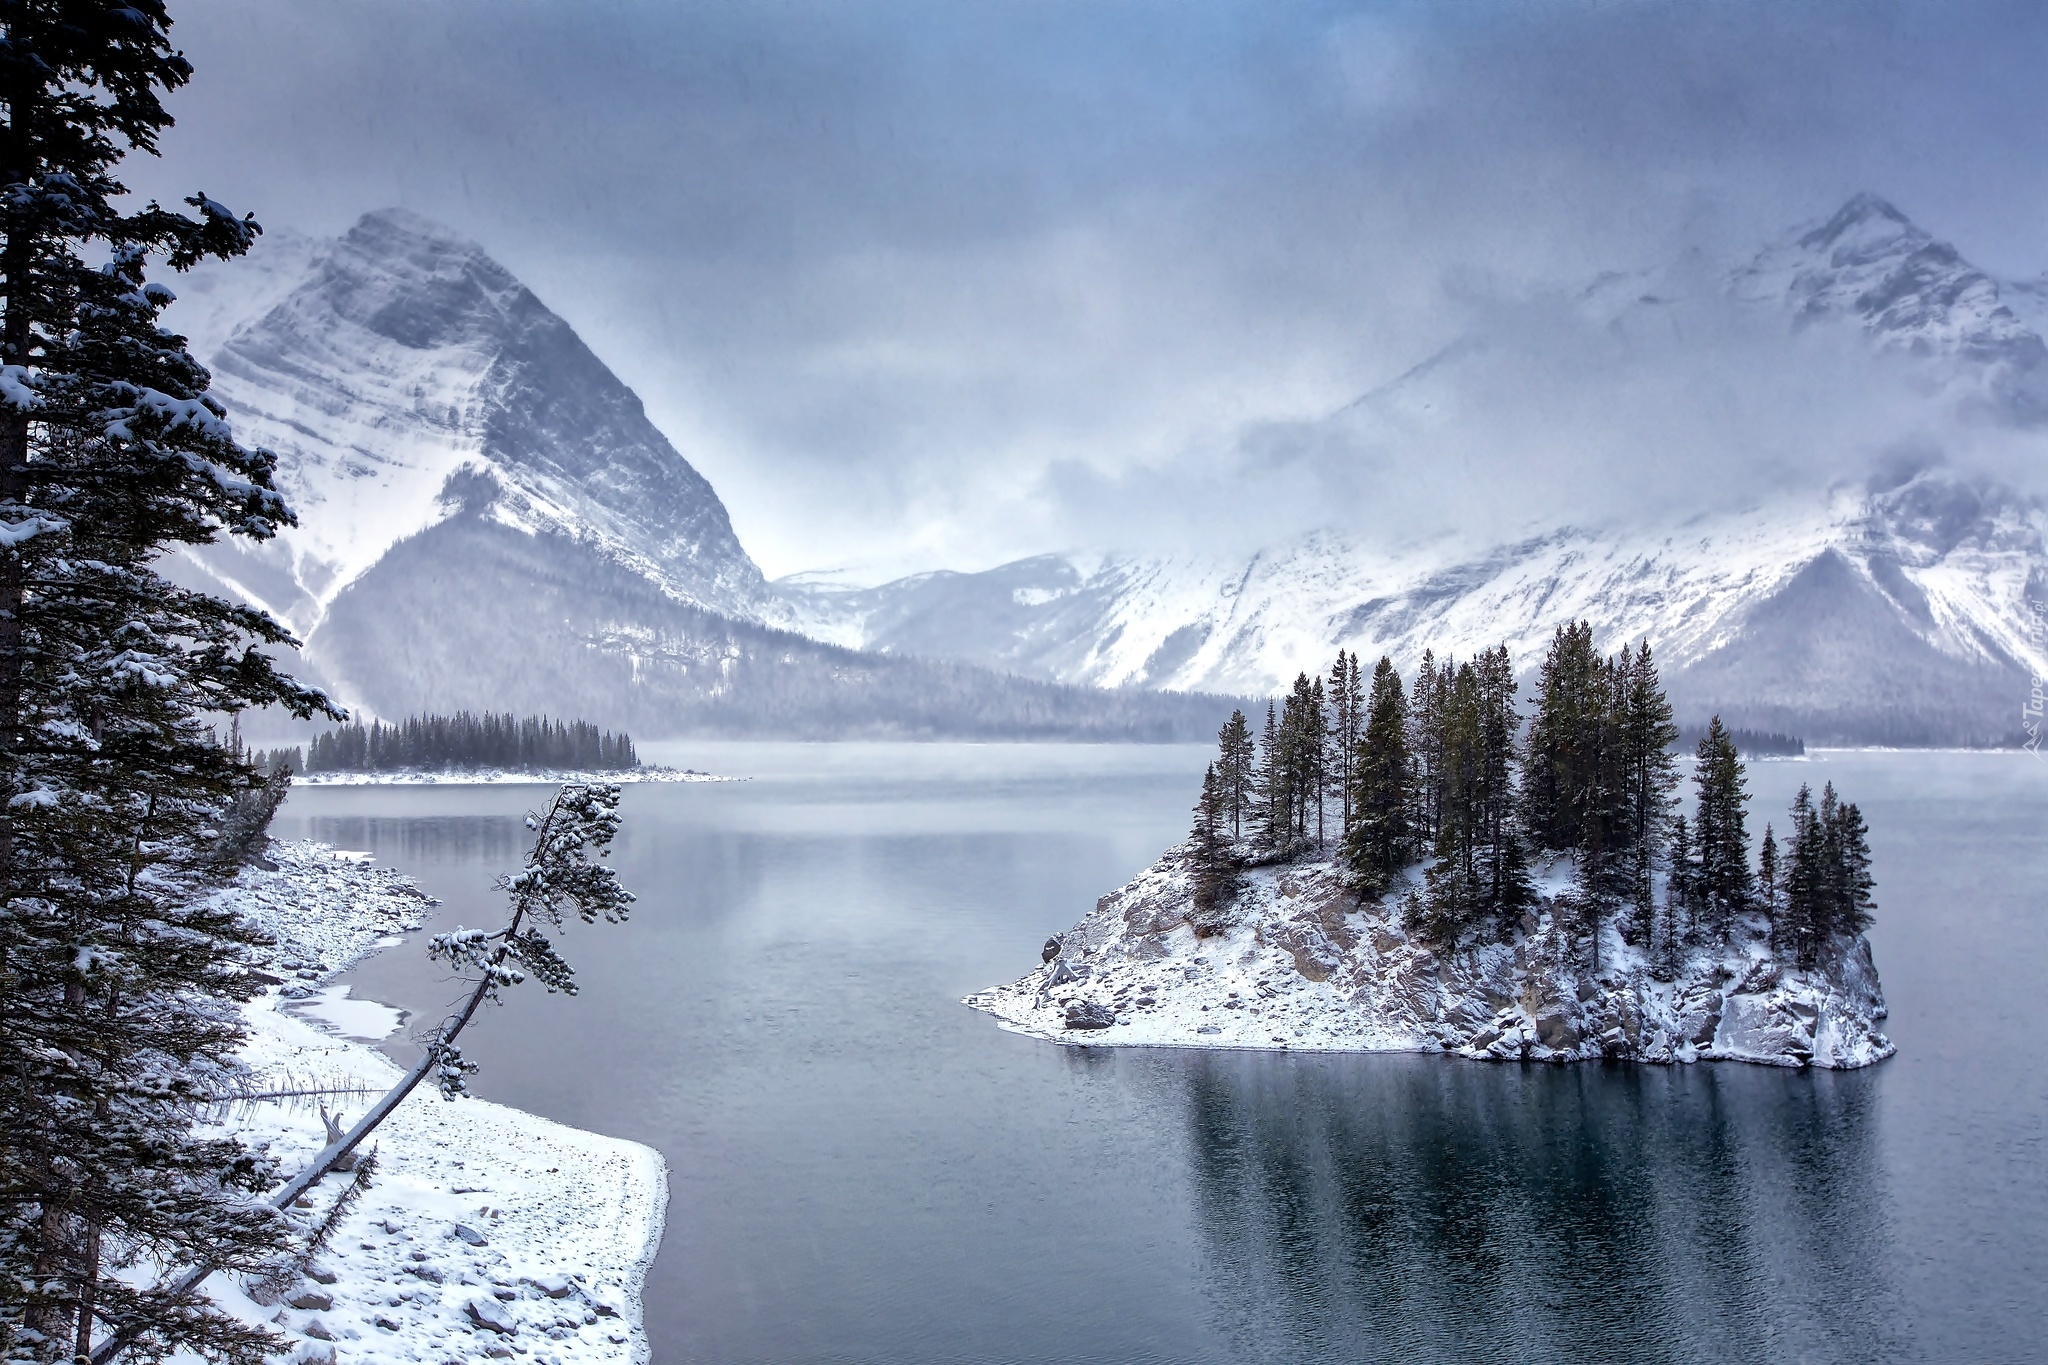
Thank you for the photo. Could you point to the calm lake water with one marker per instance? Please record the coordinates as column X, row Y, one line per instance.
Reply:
column 864, row 1171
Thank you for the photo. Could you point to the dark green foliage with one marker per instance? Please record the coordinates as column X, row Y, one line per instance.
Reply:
column 1828, row 881
column 1769, row 878
column 1480, row 879
column 1563, row 777
column 1726, row 887
column 1599, row 774
column 117, row 980
column 1235, row 771
column 468, row 741
column 1649, row 772
column 1270, row 791
column 1380, row 838
column 244, row 827
column 1212, row 867
column 1347, row 710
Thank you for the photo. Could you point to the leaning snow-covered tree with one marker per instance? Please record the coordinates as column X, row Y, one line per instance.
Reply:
column 117, row 984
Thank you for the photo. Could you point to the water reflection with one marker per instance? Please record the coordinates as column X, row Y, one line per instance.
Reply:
column 493, row 840
column 1421, row 1209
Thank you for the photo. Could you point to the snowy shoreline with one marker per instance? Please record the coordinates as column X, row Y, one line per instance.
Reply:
column 482, row 777
column 1295, row 962
column 488, row 1233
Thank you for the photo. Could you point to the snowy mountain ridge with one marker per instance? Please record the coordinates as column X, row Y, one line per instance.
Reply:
column 1893, row 610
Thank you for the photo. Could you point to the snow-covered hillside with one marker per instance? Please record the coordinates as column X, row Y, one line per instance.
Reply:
column 1887, row 611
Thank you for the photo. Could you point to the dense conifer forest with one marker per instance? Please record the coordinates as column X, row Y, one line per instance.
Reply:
column 1442, row 775
column 464, row 741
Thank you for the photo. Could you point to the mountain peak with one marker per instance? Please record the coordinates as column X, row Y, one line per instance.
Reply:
column 398, row 227
column 1866, row 223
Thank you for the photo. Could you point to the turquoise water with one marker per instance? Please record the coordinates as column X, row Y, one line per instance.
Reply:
column 864, row 1171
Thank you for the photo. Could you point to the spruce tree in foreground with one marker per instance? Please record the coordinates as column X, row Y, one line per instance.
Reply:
column 117, row 985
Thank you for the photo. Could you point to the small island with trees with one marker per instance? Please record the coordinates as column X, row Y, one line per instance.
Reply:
column 1393, row 866
column 467, row 746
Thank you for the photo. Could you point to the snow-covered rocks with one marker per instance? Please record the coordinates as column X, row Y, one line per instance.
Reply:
column 486, row 1233
column 1295, row 961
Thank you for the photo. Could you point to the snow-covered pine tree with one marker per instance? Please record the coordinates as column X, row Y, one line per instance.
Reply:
column 1235, row 771
column 1379, row 842
column 1667, row 940
column 1509, row 891
column 1850, row 903
column 117, row 985
column 1211, row 867
column 1347, row 724
column 1726, row 886
column 1270, row 789
column 1564, row 735
column 1315, row 754
column 1651, row 775
column 1769, row 877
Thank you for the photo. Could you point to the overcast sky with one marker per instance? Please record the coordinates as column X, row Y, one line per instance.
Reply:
column 939, row 284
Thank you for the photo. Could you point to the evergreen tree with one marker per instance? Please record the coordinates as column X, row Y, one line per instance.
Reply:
column 1235, row 771
column 1426, row 743
column 1211, row 868
column 1828, row 884
column 1680, row 900
column 116, row 981
column 1272, row 789
column 1726, row 886
column 1314, row 754
column 1378, row 843
column 1650, row 774
column 1347, row 725
column 1851, row 903
column 1767, row 881
column 1564, row 740
column 1481, row 869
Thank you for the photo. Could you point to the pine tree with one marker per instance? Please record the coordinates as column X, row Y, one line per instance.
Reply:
column 1681, row 900
column 1426, row 743
column 1235, row 771
column 1650, row 772
column 116, row 980
column 1805, row 914
column 1378, row 844
column 1851, row 901
column 1481, row 869
column 1211, row 868
column 1347, row 725
column 1315, row 752
column 1564, row 735
column 1271, row 789
column 1767, row 881
column 1726, row 886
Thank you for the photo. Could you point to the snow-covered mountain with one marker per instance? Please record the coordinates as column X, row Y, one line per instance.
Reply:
column 488, row 518
column 404, row 377
column 1896, row 610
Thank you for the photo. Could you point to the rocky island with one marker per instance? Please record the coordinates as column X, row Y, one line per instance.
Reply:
column 1384, row 874
column 1298, row 961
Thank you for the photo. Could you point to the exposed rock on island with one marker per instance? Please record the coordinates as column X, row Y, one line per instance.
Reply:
column 1296, row 960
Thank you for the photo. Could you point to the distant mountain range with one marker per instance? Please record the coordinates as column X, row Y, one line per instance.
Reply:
column 489, row 519
column 1895, row 611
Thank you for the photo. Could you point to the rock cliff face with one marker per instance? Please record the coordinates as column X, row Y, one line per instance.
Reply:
column 1295, row 961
